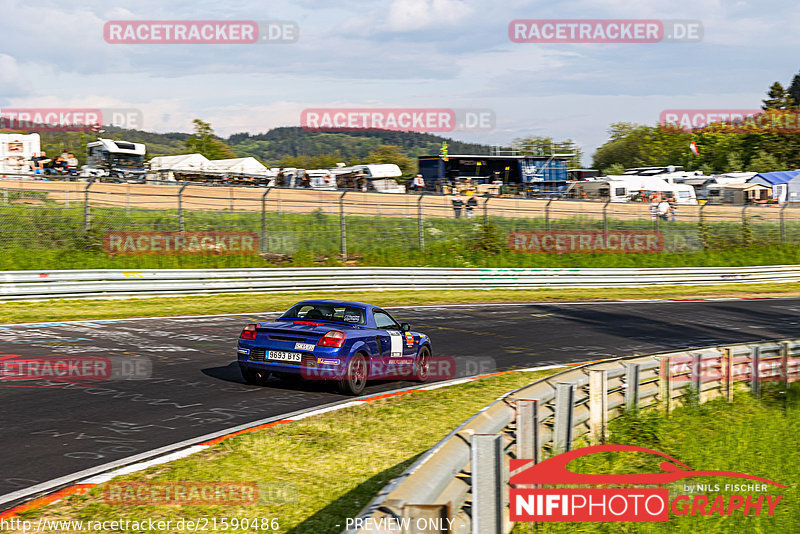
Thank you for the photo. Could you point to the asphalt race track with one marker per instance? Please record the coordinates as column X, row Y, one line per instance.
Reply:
column 49, row 429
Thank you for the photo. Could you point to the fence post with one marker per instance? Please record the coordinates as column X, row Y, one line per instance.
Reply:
column 755, row 377
column 66, row 197
column 631, row 385
column 87, row 214
column 547, row 215
column 343, row 227
column 5, row 196
column 605, row 220
column 665, row 382
column 263, row 246
column 486, row 210
column 487, row 483
column 783, row 225
column 562, row 425
column 528, row 429
column 701, row 224
column 420, row 221
column 727, row 365
column 598, row 404
column 181, row 225
column 745, row 239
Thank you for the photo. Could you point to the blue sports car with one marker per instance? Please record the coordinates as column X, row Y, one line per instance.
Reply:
column 346, row 342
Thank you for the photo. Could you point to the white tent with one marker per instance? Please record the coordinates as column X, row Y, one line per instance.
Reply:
column 249, row 166
column 181, row 162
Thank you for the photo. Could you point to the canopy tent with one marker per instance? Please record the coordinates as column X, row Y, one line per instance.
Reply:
column 181, row 162
column 246, row 166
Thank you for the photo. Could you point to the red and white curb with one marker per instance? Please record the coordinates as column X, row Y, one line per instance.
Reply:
column 82, row 482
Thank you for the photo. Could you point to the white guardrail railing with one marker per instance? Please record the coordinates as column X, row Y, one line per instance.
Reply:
column 463, row 480
column 30, row 285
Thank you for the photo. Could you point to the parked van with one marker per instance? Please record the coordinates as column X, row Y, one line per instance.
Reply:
column 631, row 188
column 16, row 150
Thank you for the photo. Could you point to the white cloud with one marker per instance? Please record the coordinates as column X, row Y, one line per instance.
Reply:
column 12, row 80
column 408, row 15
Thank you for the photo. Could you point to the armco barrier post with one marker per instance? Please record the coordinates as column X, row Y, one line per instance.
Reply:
column 263, row 246
column 631, row 385
column 87, row 214
column 785, row 365
column 528, row 429
column 343, row 227
column 564, row 412
column 697, row 373
column 755, row 377
column 727, row 366
column 487, row 483
column 598, row 404
column 181, row 225
column 420, row 223
column 665, row 382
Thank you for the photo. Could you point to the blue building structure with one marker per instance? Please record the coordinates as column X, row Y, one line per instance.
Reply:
column 533, row 174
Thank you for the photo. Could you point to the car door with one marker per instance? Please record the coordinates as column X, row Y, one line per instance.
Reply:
column 390, row 342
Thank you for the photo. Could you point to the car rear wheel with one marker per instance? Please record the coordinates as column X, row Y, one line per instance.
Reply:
column 422, row 368
column 252, row 376
column 355, row 378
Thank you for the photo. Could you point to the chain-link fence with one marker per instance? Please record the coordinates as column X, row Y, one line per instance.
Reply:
column 76, row 216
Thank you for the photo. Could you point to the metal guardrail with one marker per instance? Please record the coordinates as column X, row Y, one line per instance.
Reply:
column 28, row 285
column 464, row 477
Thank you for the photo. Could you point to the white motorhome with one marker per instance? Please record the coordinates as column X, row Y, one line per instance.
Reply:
column 114, row 160
column 628, row 188
column 16, row 150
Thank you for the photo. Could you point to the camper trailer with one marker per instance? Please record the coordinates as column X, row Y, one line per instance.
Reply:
column 16, row 150
column 119, row 161
column 631, row 188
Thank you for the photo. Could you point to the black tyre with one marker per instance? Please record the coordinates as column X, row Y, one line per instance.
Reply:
column 422, row 367
column 251, row 376
column 355, row 378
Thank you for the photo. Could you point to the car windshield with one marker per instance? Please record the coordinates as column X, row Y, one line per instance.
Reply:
column 326, row 311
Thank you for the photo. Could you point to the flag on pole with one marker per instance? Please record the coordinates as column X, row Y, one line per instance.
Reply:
column 693, row 147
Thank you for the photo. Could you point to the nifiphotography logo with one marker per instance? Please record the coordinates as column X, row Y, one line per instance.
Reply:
column 633, row 502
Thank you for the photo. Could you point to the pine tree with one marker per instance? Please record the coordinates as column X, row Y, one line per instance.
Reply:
column 779, row 98
column 794, row 90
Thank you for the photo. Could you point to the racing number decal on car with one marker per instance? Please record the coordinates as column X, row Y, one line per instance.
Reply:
column 396, row 348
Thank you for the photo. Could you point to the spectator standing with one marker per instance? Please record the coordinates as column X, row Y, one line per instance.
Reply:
column 458, row 204
column 472, row 203
column 418, row 183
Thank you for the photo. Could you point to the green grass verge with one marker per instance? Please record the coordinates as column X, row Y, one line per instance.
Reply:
column 334, row 463
column 84, row 309
column 758, row 437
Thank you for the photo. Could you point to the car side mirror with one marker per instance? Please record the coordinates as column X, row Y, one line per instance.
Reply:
column 405, row 327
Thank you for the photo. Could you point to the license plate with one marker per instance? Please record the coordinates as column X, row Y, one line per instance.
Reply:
column 284, row 356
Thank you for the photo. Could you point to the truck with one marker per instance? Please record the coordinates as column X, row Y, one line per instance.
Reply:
column 16, row 150
column 116, row 161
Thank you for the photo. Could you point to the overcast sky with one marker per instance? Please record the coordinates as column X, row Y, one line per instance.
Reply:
column 400, row 53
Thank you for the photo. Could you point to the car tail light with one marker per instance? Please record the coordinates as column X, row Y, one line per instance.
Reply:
column 332, row 338
column 308, row 323
column 249, row 332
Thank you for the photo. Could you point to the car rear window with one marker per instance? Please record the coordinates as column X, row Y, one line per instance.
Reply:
column 326, row 312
